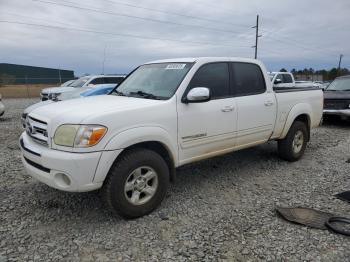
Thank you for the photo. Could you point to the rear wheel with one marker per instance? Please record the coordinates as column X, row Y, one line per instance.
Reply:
column 292, row 147
column 136, row 183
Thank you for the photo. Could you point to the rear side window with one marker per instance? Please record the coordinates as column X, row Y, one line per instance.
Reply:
column 287, row 79
column 97, row 81
column 214, row 76
column 113, row 80
column 247, row 79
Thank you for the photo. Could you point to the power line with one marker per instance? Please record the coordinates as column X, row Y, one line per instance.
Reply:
column 289, row 41
column 135, row 17
column 173, row 13
column 115, row 34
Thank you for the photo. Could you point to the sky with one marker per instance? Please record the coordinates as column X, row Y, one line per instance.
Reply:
column 115, row 36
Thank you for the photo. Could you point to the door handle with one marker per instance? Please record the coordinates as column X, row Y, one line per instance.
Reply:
column 227, row 108
column 268, row 103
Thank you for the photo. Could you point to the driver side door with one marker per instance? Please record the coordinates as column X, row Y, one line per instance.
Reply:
column 207, row 128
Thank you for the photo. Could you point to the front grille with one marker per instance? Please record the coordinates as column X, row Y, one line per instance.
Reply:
column 37, row 130
column 336, row 104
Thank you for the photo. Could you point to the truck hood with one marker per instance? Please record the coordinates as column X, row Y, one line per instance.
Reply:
column 337, row 95
column 74, row 111
column 58, row 89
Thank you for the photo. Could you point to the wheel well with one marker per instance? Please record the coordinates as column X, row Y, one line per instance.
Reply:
column 306, row 120
column 159, row 148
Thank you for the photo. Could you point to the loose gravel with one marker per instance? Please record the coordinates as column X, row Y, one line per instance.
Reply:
column 218, row 210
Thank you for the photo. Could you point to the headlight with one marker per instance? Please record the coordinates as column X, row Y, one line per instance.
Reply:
column 54, row 96
column 79, row 135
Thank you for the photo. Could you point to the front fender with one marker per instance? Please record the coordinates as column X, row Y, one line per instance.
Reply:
column 297, row 110
column 141, row 134
column 130, row 137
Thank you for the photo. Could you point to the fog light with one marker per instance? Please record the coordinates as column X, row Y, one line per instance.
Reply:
column 62, row 180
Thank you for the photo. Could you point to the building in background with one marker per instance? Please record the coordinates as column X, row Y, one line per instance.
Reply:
column 23, row 74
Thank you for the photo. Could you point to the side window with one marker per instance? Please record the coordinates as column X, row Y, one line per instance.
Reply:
column 287, row 78
column 97, row 81
column 113, row 80
column 248, row 79
column 280, row 76
column 214, row 76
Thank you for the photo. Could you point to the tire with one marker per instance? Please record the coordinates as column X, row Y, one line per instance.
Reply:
column 292, row 147
column 136, row 184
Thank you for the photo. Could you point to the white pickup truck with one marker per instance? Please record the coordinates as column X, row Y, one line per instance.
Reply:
column 165, row 114
column 282, row 80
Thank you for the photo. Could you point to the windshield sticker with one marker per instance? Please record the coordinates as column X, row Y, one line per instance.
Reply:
column 175, row 66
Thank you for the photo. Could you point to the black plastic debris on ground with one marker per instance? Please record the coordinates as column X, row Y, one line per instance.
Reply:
column 305, row 216
column 345, row 196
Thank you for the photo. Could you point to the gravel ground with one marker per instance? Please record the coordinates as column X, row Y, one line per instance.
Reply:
column 218, row 210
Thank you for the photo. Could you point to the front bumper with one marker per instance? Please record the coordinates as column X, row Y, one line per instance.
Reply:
column 338, row 112
column 73, row 172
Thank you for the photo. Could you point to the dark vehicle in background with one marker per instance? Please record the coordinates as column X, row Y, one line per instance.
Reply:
column 337, row 98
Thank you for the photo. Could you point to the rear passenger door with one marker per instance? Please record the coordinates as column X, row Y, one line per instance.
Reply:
column 256, row 106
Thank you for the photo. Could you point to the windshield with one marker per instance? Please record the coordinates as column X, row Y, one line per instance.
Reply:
column 80, row 82
column 67, row 83
column 154, row 81
column 271, row 76
column 340, row 85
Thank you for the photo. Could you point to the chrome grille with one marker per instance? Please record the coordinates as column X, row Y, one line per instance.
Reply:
column 336, row 104
column 37, row 130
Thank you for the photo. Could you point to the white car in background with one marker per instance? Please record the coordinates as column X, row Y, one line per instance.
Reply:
column 67, row 83
column 96, row 90
column 2, row 106
column 78, row 86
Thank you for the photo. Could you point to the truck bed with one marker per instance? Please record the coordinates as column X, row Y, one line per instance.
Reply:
column 293, row 89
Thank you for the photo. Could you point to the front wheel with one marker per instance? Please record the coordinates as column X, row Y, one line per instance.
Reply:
column 292, row 147
column 136, row 183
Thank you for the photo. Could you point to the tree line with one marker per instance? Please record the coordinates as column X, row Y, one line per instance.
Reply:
column 326, row 74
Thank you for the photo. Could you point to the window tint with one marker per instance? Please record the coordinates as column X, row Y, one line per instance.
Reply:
column 280, row 76
column 97, row 81
column 215, row 77
column 113, row 80
column 248, row 79
column 287, row 78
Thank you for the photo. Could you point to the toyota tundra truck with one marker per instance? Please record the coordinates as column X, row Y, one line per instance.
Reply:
column 165, row 114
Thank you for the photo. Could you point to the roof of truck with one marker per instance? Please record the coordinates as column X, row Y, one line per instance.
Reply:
column 204, row 60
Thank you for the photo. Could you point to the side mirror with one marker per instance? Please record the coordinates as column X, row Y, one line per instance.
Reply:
column 197, row 95
column 278, row 81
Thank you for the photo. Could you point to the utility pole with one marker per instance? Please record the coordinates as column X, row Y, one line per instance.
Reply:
column 339, row 65
column 59, row 74
column 256, row 36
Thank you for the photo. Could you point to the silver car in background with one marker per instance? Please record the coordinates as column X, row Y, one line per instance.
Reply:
column 80, row 85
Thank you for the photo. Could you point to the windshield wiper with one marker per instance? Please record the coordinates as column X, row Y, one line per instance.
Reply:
column 145, row 95
column 119, row 93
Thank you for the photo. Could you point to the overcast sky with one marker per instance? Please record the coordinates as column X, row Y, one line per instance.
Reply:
column 295, row 34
